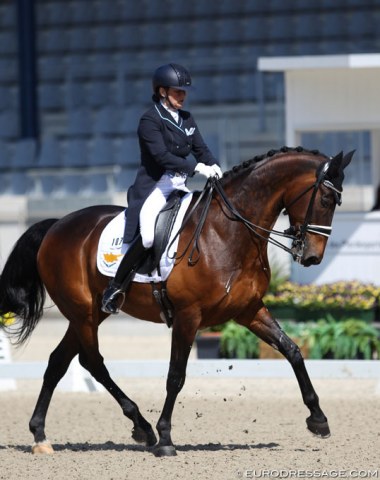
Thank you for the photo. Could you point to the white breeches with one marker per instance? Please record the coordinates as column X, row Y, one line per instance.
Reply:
column 156, row 201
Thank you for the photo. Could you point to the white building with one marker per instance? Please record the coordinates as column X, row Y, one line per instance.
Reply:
column 334, row 100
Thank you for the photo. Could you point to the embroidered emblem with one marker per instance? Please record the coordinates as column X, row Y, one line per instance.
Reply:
column 110, row 259
column 189, row 131
column 113, row 253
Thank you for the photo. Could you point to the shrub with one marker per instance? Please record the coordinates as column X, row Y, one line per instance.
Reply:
column 347, row 339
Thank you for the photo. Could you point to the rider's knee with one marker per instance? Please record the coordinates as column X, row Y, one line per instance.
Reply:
column 147, row 242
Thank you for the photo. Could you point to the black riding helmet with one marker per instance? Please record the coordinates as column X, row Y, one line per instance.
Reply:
column 170, row 75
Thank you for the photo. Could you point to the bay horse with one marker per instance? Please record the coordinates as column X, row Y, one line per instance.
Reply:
column 228, row 280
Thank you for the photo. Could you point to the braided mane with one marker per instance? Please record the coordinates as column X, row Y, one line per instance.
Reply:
column 271, row 153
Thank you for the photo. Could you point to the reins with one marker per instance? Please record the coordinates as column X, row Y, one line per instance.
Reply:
column 252, row 226
column 207, row 195
column 296, row 235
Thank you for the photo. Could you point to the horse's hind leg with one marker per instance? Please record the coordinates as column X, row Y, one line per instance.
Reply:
column 265, row 327
column 59, row 362
column 91, row 359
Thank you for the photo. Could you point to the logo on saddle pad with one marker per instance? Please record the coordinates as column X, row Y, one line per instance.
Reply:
column 110, row 259
column 112, row 256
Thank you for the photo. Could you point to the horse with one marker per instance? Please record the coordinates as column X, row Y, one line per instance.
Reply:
column 227, row 281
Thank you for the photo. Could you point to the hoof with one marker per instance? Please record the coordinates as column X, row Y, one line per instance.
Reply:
column 43, row 448
column 321, row 430
column 164, row 451
column 140, row 436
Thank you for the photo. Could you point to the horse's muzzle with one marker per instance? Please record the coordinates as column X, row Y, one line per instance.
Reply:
column 304, row 252
column 303, row 257
column 310, row 260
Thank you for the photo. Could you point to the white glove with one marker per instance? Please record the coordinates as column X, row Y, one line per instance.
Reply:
column 208, row 171
column 217, row 170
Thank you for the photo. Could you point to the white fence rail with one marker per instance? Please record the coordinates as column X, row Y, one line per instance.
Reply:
column 78, row 379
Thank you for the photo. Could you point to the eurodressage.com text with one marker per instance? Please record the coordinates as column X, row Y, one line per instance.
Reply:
column 300, row 473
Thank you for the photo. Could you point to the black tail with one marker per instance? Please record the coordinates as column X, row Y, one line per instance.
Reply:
column 21, row 289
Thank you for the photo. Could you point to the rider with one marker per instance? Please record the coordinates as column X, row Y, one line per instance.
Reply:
column 167, row 135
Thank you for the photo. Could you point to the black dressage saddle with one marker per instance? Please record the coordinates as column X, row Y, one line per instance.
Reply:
column 164, row 226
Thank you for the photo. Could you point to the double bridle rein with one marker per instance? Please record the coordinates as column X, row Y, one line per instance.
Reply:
column 296, row 234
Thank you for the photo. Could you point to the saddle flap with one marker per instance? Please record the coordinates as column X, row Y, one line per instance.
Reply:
column 164, row 225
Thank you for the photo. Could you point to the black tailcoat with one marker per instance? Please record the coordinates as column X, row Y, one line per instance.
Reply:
column 165, row 146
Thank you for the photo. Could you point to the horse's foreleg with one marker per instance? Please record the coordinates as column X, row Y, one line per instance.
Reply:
column 182, row 342
column 58, row 364
column 265, row 327
column 91, row 359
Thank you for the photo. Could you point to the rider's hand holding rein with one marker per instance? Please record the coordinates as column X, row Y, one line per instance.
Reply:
column 209, row 171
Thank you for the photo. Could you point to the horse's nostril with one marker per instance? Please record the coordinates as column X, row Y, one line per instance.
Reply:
column 313, row 260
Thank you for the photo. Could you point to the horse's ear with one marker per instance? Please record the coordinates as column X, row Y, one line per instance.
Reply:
column 335, row 165
column 347, row 158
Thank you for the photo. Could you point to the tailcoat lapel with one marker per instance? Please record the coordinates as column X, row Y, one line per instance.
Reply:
column 169, row 120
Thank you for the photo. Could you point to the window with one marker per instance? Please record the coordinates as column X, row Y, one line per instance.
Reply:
column 331, row 143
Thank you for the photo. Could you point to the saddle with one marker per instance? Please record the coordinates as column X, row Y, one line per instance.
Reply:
column 164, row 225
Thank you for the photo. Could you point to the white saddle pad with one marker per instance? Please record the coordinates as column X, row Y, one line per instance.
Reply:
column 111, row 248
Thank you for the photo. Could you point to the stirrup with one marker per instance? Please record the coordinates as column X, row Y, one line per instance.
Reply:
column 110, row 305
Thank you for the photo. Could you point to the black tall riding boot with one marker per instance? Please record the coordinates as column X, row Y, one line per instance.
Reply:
column 113, row 295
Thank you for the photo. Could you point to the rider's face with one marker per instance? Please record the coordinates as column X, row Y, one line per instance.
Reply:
column 176, row 97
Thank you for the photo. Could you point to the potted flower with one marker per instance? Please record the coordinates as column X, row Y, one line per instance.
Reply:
column 310, row 302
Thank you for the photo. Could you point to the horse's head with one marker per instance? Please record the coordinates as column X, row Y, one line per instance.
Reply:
column 310, row 204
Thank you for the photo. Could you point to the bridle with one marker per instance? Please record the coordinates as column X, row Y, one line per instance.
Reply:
column 296, row 234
